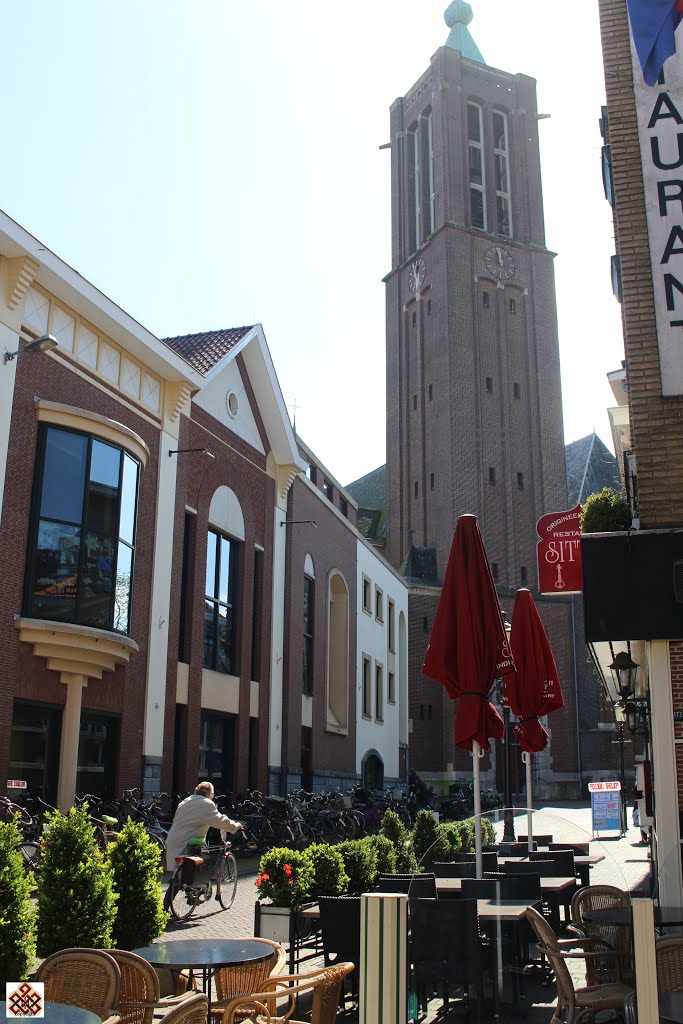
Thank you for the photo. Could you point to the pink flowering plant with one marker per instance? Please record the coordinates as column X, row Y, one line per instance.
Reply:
column 285, row 877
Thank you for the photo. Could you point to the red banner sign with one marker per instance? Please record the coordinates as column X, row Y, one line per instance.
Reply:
column 559, row 552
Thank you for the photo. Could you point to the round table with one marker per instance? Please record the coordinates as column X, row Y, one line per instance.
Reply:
column 205, row 955
column 60, row 1013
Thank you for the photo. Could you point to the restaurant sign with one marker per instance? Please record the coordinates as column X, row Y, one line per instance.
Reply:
column 659, row 111
column 17, row 784
column 558, row 552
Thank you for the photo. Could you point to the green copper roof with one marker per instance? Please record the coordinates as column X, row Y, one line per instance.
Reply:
column 458, row 16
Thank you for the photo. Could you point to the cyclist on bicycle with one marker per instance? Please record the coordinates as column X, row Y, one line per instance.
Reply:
column 193, row 819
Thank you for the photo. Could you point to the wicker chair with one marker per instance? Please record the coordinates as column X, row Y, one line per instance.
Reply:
column 88, row 978
column 193, row 1010
column 574, row 1002
column 140, row 999
column 615, row 937
column 324, row 986
column 231, row 982
column 669, row 957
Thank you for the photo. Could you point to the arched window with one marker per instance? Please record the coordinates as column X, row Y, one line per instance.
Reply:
column 226, row 530
column 337, row 654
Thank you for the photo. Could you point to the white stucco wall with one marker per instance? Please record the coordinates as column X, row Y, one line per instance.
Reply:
column 372, row 640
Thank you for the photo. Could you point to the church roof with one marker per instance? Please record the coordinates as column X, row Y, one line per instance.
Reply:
column 370, row 494
column 458, row 15
column 203, row 351
column 590, row 467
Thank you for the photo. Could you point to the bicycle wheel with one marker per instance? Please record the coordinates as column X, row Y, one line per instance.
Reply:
column 181, row 900
column 226, row 883
column 30, row 855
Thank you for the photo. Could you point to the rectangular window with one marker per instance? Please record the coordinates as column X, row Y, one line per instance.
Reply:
column 327, row 489
column 523, row 574
column 502, row 174
column 82, row 540
column 414, row 179
column 307, row 664
column 513, row 307
column 343, row 506
column 431, row 392
column 414, row 319
column 516, row 391
column 431, row 481
column 485, row 300
column 416, row 489
column 391, row 688
column 494, row 570
column 489, row 385
column 379, row 605
column 414, row 401
column 379, row 693
column 186, row 588
column 429, row 307
column 391, row 625
column 492, row 475
column 428, row 203
column 367, row 595
column 476, row 166
column 312, row 474
column 219, row 604
column 520, row 481
column 367, row 688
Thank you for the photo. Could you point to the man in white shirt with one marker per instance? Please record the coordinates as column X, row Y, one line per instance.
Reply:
column 193, row 819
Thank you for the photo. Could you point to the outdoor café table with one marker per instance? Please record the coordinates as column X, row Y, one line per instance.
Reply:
column 671, row 1008
column 205, row 955
column 60, row 1013
column 583, row 862
column 549, row 886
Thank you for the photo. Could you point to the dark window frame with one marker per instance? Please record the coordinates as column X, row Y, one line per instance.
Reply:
column 230, row 604
column 308, row 627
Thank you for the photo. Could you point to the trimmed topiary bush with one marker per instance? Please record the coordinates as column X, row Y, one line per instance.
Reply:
column 606, row 512
column 360, row 864
column 76, row 898
column 386, row 854
column 393, row 828
column 329, row 875
column 449, row 834
column 136, row 865
column 488, row 832
column 467, row 835
column 434, row 841
column 17, row 920
column 285, row 877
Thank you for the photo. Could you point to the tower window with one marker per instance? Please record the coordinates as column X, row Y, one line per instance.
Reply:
column 416, row 489
column 502, row 175
column 485, row 300
column 489, row 385
column 523, row 574
column 429, row 307
column 494, row 570
column 414, row 319
column 492, row 474
column 425, row 624
column 414, row 401
column 430, row 393
column 513, row 307
column 516, row 391
column 476, row 166
column 431, row 481
column 520, row 481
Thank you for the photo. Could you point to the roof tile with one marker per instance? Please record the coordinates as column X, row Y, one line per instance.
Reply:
column 203, row 351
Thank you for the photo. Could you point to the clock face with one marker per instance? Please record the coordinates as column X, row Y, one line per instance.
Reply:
column 417, row 275
column 499, row 263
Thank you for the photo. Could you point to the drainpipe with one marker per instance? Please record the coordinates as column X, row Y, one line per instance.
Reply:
column 576, row 701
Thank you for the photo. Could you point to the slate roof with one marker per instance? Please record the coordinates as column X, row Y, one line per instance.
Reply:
column 203, row 351
column 590, row 467
column 370, row 494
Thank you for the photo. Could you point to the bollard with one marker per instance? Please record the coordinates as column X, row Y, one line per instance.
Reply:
column 383, row 997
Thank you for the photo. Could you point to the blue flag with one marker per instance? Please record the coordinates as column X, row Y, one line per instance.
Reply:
column 653, row 24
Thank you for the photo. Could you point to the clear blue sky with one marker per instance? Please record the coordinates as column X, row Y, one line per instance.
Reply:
column 212, row 163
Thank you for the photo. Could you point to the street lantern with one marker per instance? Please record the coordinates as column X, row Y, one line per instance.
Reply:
column 624, row 671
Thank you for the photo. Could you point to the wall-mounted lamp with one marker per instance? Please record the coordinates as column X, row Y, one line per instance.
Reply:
column 624, row 671
column 42, row 344
column 636, row 712
column 183, row 451
column 299, row 522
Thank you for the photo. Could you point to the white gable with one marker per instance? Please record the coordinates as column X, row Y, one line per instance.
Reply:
column 225, row 398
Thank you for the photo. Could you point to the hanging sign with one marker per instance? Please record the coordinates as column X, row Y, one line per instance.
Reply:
column 605, row 806
column 17, row 784
column 558, row 552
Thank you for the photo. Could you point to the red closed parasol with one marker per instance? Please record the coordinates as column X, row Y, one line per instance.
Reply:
column 533, row 688
column 468, row 649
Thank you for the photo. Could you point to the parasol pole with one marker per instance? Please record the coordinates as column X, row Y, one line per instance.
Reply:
column 476, row 778
column 526, row 757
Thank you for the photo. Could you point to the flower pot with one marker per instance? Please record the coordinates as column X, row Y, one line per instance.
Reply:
column 273, row 922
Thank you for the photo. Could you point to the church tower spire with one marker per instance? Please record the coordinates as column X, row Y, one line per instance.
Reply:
column 457, row 16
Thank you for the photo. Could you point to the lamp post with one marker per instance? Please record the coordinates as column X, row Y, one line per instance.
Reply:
column 508, row 816
column 622, row 776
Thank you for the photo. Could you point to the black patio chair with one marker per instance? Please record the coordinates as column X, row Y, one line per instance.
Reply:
column 421, row 886
column 505, row 887
column 340, row 929
column 448, row 950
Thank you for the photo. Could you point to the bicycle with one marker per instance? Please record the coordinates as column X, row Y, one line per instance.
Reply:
column 194, row 876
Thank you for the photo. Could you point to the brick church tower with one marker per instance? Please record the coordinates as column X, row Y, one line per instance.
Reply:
column 474, row 411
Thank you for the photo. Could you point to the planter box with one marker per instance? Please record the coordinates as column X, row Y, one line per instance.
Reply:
column 275, row 923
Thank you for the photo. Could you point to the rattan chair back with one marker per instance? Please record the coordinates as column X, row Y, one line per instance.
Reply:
column 324, row 986
column 139, row 992
column 230, row 982
column 669, row 957
column 617, row 937
column 193, row 1010
column 89, row 978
